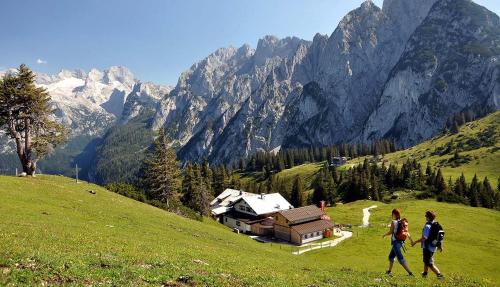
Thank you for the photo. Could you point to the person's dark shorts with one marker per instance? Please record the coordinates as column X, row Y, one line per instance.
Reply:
column 428, row 257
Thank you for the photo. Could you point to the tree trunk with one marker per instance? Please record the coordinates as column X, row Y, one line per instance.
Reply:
column 29, row 165
column 31, row 168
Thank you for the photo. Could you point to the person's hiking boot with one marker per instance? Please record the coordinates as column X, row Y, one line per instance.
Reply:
column 440, row 276
column 388, row 273
column 424, row 274
column 410, row 274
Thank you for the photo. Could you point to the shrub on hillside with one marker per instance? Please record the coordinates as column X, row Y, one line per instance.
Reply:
column 127, row 190
column 452, row 198
column 425, row 195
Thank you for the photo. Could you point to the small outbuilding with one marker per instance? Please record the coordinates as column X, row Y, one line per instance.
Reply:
column 302, row 225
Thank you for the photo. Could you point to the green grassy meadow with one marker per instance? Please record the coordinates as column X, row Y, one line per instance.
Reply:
column 479, row 141
column 471, row 246
column 307, row 171
column 54, row 232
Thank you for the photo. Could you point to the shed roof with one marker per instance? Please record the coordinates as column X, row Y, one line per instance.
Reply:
column 313, row 226
column 301, row 213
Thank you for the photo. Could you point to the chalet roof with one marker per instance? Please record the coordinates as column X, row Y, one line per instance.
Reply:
column 220, row 210
column 301, row 213
column 313, row 226
column 267, row 203
column 227, row 198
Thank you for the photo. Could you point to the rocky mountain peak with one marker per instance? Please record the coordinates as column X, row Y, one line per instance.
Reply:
column 368, row 5
column 119, row 74
column 95, row 75
column 270, row 47
column 245, row 51
column 78, row 73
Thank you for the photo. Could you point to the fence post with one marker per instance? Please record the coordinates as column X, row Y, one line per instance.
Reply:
column 16, row 171
column 76, row 172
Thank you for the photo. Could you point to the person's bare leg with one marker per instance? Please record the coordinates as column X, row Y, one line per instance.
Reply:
column 391, row 263
column 405, row 266
column 426, row 268
column 435, row 269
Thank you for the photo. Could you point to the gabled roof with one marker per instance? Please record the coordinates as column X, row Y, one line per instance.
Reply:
column 220, row 210
column 227, row 198
column 302, row 213
column 267, row 203
column 313, row 226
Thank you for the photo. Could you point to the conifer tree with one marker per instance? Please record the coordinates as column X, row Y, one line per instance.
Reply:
column 196, row 195
column 219, row 180
column 319, row 192
column 297, row 196
column 206, row 176
column 487, row 195
column 187, row 184
column 162, row 172
column 27, row 117
column 283, row 190
column 460, row 187
column 330, row 187
column 474, row 191
column 439, row 183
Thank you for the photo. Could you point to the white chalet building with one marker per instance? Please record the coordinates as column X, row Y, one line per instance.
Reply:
column 251, row 213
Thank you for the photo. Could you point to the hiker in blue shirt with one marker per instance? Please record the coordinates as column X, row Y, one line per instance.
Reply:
column 396, row 245
column 428, row 249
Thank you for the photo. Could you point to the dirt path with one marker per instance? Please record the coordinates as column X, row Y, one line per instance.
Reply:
column 366, row 216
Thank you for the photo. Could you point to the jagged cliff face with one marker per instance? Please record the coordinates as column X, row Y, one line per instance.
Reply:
column 352, row 69
column 450, row 64
column 226, row 92
column 143, row 99
column 298, row 93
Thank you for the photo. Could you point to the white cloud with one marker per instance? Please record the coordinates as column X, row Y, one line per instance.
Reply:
column 41, row 62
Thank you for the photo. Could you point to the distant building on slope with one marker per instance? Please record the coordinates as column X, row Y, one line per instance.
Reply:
column 338, row 160
column 302, row 225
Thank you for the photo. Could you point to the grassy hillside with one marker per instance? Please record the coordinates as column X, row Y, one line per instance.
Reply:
column 307, row 171
column 471, row 246
column 478, row 143
column 56, row 232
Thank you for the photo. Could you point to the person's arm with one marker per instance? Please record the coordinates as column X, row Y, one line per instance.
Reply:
column 423, row 238
column 425, row 234
column 411, row 239
column 390, row 232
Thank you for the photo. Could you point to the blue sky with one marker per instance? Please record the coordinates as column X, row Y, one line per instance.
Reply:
column 156, row 39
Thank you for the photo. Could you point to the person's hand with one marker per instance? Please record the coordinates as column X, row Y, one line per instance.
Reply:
column 440, row 249
column 412, row 243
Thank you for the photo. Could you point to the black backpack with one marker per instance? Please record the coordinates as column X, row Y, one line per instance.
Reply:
column 436, row 235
